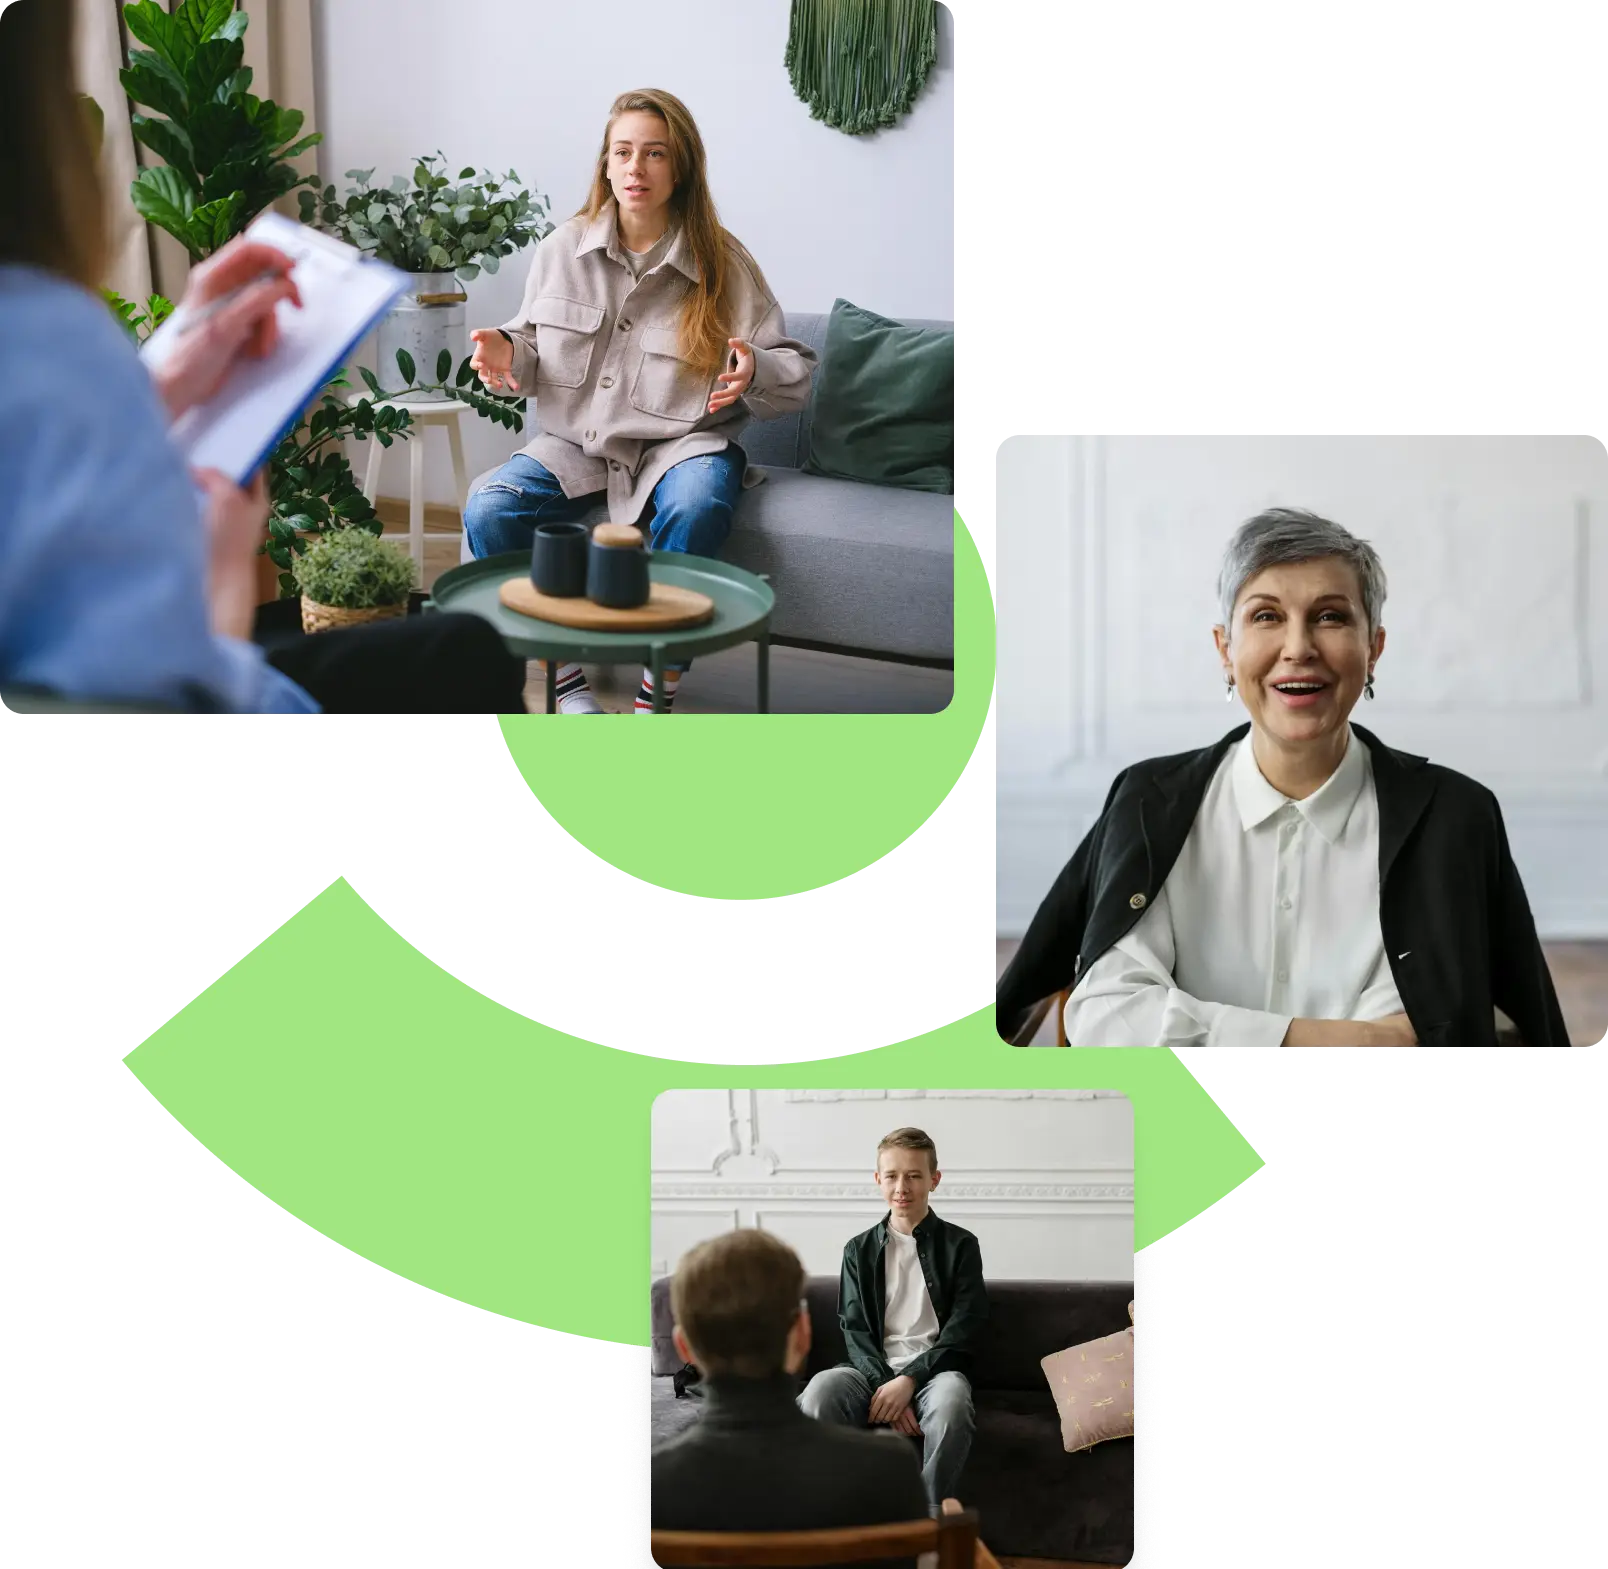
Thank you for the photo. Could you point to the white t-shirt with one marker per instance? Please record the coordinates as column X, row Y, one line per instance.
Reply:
column 1271, row 912
column 909, row 1325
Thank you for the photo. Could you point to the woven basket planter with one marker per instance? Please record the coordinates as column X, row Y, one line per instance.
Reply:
column 331, row 618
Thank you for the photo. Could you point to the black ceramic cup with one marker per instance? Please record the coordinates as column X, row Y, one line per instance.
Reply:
column 558, row 560
column 617, row 575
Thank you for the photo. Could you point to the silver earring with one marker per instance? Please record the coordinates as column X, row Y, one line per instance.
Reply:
column 1228, row 690
column 1367, row 689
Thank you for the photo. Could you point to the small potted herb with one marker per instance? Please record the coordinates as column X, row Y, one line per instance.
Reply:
column 349, row 576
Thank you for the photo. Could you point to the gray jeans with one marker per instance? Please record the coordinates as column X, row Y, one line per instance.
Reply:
column 943, row 1407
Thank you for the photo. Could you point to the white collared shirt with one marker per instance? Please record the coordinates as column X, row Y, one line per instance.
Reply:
column 1270, row 913
column 909, row 1325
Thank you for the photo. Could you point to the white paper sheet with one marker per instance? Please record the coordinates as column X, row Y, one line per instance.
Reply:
column 343, row 295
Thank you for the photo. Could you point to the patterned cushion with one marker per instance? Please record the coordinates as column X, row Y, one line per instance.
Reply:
column 1093, row 1389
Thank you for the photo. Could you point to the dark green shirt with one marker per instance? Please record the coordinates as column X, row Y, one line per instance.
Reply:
column 952, row 1266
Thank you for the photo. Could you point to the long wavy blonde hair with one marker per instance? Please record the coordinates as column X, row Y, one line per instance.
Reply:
column 706, row 317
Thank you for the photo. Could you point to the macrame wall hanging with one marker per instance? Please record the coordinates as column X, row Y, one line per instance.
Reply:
column 859, row 64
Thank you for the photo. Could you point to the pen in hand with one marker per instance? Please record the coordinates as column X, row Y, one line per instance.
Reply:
column 188, row 319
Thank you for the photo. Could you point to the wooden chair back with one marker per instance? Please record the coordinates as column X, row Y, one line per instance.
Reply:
column 1030, row 1026
column 952, row 1537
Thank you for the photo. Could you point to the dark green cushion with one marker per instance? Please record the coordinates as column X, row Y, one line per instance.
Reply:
column 884, row 403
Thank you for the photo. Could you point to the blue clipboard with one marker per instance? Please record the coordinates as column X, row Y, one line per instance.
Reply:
column 344, row 294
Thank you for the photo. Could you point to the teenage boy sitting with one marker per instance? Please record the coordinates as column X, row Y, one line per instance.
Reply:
column 912, row 1303
column 754, row 1461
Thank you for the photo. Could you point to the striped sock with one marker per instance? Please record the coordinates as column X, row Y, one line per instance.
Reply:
column 644, row 698
column 574, row 694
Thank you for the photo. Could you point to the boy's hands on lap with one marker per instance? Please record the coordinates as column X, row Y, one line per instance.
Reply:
column 892, row 1399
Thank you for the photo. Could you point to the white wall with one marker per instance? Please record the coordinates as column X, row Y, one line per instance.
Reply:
column 1497, row 627
column 1043, row 1177
column 507, row 83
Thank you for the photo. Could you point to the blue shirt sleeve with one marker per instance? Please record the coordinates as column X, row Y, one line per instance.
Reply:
column 102, row 545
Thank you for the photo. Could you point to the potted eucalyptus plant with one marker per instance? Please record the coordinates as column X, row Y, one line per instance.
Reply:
column 443, row 232
column 226, row 158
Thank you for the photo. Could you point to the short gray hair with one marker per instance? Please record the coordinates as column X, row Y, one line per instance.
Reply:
column 1287, row 534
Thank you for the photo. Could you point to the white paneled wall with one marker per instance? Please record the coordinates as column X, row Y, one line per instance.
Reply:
column 505, row 83
column 1496, row 657
column 1043, row 1177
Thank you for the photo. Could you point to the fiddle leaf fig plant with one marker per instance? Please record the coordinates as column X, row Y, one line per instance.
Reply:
column 434, row 224
column 226, row 154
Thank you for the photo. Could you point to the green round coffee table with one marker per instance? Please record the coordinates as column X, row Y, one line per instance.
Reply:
column 743, row 605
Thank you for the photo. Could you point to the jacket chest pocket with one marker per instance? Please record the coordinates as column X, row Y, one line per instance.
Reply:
column 666, row 385
column 566, row 333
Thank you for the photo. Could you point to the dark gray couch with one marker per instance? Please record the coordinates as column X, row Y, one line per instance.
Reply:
column 1035, row 1500
column 856, row 568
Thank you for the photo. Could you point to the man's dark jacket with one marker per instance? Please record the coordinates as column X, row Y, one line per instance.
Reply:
column 1457, row 927
column 754, row 1462
column 951, row 1264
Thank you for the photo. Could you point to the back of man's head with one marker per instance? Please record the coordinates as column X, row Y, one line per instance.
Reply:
column 735, row 1300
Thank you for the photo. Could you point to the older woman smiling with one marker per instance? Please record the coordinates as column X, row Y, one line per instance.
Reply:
column 1299, row 883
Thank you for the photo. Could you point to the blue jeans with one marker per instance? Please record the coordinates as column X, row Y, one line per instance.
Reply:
column 943, row 1406
column 690, row 510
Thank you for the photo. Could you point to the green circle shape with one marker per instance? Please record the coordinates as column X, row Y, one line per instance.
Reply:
column 764, row 805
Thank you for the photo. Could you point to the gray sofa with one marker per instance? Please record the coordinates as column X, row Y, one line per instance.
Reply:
column 863, row 569
column 1034, row 1499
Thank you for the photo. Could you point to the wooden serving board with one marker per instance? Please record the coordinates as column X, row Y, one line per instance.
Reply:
column 667, row 609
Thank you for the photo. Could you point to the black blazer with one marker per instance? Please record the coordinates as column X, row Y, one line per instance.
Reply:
column 1457, row 927
column 754, row 1462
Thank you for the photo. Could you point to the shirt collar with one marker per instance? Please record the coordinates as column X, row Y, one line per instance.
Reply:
column 927, row 1226
column 740, row 1401
column 602, row 234
column 1328, row 808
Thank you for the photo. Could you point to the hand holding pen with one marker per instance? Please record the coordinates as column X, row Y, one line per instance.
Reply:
column 227, row 314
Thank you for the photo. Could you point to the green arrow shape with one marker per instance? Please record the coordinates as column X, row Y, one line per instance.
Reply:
column 802, row 799
column 433, row 1131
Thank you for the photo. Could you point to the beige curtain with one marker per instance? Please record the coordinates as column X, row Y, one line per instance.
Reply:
column 279, row 50
column 99, row 28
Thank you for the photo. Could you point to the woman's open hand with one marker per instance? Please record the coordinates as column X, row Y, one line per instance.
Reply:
column 201, row 357
column 493, row 359
column 736, row 381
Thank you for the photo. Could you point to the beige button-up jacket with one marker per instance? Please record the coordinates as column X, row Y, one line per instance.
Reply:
column 597, row 348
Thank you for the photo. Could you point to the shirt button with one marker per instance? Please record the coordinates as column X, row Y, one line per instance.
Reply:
column 1286, row 904
column 1284, row 975
column 615, row 467
column 625, row 324
column 1137, row 902
column 591, row 435
column 607, row 381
